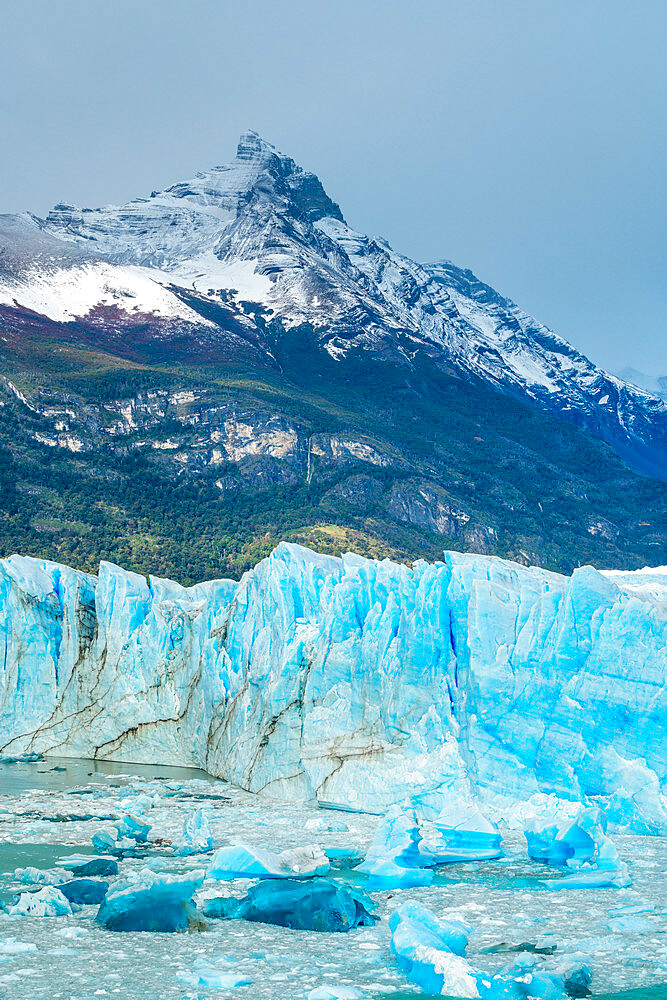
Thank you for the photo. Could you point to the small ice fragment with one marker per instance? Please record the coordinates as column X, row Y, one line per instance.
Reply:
column 132, row 828
column 103, row 841
column 394, row 858
column 197, row 836
column 335, row 993
column 241, row 861
column 48, row 902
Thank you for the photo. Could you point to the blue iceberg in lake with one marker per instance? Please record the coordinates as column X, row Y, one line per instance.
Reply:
column 579, row 845
column 394, row 859
column 431, row 952
column 316, row 905
column 241, row 861
column 152, row 902
column 197, row 836
column 464, row 834
column 47, row 902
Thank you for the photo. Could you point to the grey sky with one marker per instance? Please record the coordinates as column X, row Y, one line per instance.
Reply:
column 525, row 140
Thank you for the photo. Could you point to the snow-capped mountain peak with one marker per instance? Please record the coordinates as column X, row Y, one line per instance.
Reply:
column 263, row 229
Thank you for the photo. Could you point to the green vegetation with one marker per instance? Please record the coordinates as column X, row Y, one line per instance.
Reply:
column 551, row 493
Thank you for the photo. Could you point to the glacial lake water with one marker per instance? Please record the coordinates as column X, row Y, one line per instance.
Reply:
column 50, row 809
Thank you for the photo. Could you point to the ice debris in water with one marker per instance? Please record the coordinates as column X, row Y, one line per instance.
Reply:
column 241, row 861
column 579, row 845
column 335, row 993
column 197, row 836
column 394, row 859
column 431, row 952
column 84, row 891
column 152, row 902
column 464, row 835
column 48, row 902
column 218, row 979
column 316, row 905
column 39, row 876
column 129, row 827
column 104, row 841
column 82, row 866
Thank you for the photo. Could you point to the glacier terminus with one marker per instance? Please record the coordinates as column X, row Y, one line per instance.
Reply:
column 353, row 683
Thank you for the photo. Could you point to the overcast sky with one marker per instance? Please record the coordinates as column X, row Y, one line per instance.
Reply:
column 525, row 140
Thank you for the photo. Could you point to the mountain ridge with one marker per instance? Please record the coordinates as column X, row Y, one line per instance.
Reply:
column 402, row 402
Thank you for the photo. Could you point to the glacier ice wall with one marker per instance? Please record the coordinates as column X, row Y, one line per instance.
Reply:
column 356, row 682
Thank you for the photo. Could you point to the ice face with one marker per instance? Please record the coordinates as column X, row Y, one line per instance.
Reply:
column 357, row 683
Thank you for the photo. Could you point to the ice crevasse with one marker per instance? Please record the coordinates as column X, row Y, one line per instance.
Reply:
column 355, row 682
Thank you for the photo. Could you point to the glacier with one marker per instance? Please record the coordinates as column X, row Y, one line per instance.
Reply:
column 355, row 683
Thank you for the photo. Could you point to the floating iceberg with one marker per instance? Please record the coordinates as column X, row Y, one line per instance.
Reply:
column 354, row 682
column 152, row 902
column 394, row 859
column 84, row 891
column 241, row 861
column 431, row 952
column 83, row 867
column 197, row 836
column 48, row 902
column 316, row 905
column 131, row 828
column 581, row 845
column 464, row 835
column 39, row 876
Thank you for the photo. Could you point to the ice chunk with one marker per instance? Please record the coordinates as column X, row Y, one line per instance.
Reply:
column 335, row 993
column 152, row 902
column 10, row 946
column 394, row 858
column 39, row 876
column 218, row 979
column 431, row 952
column 197, row 836
column 562, row 843
column 84, row 891
column 241, row 861
column 577, row 979
column 464, row 835
column 95, row 866
column 421, row 944
column 104, row 841
column 580, row 844
column 133, row 829
column 317, row 905
column 48, row 902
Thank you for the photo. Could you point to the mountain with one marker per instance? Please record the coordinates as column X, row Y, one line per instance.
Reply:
column 230, row 350
column 657, row 385
column 354, row 682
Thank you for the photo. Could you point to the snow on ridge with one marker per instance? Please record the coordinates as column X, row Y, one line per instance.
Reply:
column 72, row 293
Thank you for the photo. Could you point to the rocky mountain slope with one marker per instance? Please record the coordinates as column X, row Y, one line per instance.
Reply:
column 351, row 681
column 230, row 344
